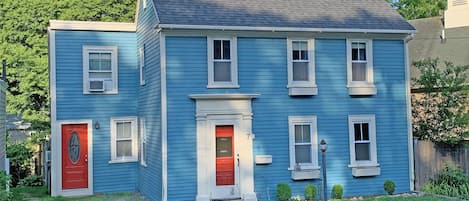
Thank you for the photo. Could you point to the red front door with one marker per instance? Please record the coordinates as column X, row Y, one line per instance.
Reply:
column 74, row 156
column 225, row 155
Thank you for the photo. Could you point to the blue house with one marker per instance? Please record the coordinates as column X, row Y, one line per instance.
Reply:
column 220, row 100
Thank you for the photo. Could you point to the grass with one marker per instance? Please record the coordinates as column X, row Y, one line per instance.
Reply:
column 404, row 198
column 40, row 194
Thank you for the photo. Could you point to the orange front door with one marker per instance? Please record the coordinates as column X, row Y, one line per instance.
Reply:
column 225, row 155
column 74, row 156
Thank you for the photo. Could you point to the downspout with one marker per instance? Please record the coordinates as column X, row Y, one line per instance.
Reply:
column 410, row 146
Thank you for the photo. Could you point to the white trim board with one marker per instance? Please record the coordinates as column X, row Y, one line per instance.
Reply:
column 57, row 162
column 53, row 112
column 92, row 26
column 273, row 29
column 164, row 121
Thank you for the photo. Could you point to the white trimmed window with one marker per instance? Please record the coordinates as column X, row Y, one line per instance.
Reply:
column 99, row 69
column 124, row 145
column 360, row 67
column 301, row 67
column 143, row 143
column 362, row 138
column 303, row 147
column 141, row 58
column 222, row 62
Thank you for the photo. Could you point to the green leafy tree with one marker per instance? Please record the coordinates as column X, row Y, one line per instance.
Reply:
column 440, row 113
column 24, row 45
column 415, row 9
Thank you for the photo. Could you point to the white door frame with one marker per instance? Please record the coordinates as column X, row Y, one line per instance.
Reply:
column 218, row 109
column 56, row 170
column 228, row 191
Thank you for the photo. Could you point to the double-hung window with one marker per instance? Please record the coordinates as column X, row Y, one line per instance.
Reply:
column 99, row 69
column 222, row 63
column 362, row 137
column 141, row 55
column 303, row 147
column 360, row 67
column 301, row 70
column 124, row 145
column 143, row 143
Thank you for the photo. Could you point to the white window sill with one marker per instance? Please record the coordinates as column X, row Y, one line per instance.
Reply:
column 362, row 89
column 226, row 86
column 302, row 90
column 143, row 164
column 305, row 173
column 123, row 161
column 365, row 170
column 99, row 92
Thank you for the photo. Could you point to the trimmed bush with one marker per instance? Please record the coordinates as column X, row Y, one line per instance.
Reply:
column 310, row 192
column 389, row 186
column 283, row 192
column 337, row 191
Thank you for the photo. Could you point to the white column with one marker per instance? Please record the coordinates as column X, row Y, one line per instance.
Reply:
column 203, row 148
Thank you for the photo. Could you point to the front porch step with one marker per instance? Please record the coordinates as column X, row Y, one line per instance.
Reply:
column 228, row 199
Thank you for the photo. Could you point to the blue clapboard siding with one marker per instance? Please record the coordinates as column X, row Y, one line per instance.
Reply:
column 73, row 104
column 149, row 103
column 262, row 68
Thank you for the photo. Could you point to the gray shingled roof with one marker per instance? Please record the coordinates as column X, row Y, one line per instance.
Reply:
column 428, row 44
column 335, row 14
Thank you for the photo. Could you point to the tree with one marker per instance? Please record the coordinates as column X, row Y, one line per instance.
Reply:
column 23, row 43
column 440, row 113
column 415, row 9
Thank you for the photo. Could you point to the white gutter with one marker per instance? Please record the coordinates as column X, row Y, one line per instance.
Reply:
column 290, row 29
column 92, row 26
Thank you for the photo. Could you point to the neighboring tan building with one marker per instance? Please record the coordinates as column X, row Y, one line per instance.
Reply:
column 457, row 14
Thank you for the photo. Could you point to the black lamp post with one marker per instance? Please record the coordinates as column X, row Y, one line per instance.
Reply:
column 324, row 177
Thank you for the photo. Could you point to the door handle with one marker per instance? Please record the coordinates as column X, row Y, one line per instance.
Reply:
column 86, row 158
column 237, row 158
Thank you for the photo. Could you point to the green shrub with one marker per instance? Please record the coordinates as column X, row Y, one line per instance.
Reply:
column 450, row 181
column 389, row 186
column 283, row 192
column 33, row 180
column 337, row 191
column 310, row 192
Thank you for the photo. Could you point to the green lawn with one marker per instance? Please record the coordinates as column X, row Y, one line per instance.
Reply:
column 405, row 198
column 40, row 194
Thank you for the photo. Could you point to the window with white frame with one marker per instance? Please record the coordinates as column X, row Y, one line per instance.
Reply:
column 362, row 137
column 360, row 67
column 301, row 70
column 222, row 62
column 124, row 145
column 143, row 143
column 141, row 55
column 100, row 69
column 303, row 147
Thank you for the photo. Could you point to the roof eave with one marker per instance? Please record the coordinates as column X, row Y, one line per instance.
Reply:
column 284, row 29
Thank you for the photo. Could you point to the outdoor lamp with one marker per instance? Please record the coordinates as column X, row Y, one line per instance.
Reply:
column 96, row 125
column 323, row 145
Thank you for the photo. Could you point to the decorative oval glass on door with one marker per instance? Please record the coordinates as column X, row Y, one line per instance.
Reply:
column 74, row 147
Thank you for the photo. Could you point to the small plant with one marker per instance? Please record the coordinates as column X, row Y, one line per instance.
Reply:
column 451, row 181
column 283, row 192
column 33, row 180
column 310, row 192
column 389, row 186
column 337, row 191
